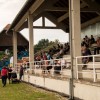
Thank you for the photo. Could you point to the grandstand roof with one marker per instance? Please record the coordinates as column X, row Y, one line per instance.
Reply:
column 6, row 39
column 57, row 12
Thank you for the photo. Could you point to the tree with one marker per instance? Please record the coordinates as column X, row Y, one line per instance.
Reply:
column 42, row 44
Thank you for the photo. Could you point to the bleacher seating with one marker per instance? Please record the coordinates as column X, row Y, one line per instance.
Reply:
column 96, row 65
column 22, row 54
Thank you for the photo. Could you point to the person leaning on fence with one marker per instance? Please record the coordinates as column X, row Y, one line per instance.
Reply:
column 21, row 72
column 57, row 67
column 4, row 73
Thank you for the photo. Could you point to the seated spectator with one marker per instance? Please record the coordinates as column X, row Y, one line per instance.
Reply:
column 97, row 49
column 54, row 50
column 84, row 43
column 63, row 63
column 58, row 48
column 61, row 50
column 85, row 52
column 92, row 40
column 60, row 53
column 44, row 56
column 66, row 48
column 49, row 56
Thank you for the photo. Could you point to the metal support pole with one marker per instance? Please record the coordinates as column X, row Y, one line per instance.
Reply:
column 71, row 97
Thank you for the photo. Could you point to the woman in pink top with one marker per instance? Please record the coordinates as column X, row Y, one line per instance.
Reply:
column 4, row 73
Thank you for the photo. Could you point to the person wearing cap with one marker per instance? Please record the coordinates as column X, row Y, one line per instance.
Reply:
column 4, row 73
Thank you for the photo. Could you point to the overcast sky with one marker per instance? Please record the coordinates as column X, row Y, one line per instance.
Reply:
column 8, row 11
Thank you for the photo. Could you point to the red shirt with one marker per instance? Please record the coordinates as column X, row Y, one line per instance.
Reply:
column 4, row 72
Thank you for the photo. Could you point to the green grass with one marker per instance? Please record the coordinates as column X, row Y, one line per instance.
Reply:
column 24, row 91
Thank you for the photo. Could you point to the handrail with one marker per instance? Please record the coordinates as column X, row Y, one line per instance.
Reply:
column 93, row 66
column 42, row 65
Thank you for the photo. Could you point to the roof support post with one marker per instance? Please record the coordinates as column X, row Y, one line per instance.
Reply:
column 75, row 34
column 31, row 41
column 75, row 39
column 14, row 48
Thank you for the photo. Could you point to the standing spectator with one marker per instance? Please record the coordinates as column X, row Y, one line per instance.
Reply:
column 87, row 40
column 4, row 73
column 92, row 40
column 9, row 74
column 97, row 49
column 21, row 72
column 57, row 67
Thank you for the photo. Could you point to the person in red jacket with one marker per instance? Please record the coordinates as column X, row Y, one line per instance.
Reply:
column 4, row 73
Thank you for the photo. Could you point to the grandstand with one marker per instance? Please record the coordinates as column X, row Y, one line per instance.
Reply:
column 54, row 74
column 8, row 46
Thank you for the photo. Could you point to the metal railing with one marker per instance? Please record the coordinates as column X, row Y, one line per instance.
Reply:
column 92, row 64
column 54, row 66
column 51, row 67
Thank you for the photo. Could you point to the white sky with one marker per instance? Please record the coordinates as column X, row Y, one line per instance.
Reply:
column 8, row 11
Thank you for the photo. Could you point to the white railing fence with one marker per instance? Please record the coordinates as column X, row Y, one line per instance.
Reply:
column 93, row 65
column 47, row 67
column 61, row 67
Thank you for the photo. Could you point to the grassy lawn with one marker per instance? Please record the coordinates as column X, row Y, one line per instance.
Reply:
column 24, row 91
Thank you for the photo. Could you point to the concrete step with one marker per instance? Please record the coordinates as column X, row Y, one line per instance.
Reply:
column 96, row 64
column 97, row 59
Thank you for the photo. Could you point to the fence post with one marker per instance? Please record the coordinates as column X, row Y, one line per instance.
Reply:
column 76, row 68
column 94, row 72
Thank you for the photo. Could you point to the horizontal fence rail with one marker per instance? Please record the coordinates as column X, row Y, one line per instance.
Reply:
column 61, row 67
column 92, row 64
column 48, row 67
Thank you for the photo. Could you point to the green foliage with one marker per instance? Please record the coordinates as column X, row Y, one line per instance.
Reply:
column 1, row 54
column 42, row 44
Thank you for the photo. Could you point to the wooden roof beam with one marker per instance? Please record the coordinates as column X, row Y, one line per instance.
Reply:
column 93, row 5
column 90, row 22
column 64, row 9
column 54, row 20
column 35, row 6
column 89, row 10
column 65, row 16
column 25, row 24
column 45, row 27
column 31, row 10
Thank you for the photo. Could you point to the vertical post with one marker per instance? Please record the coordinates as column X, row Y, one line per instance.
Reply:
column 75, row 34
column 43, row 21
column 94, row 71
column 75, row 39
column 14, row 48
column 76, row 67
column 31, row 41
